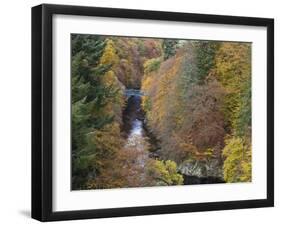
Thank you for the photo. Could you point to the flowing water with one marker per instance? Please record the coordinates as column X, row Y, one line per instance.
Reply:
column 137, row 140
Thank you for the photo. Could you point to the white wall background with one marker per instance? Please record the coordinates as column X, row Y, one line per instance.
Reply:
column 15, row 113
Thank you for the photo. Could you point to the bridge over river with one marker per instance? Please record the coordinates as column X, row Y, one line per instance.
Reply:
column 134, row 92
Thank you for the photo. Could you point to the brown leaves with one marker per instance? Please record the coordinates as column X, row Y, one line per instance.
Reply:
column 185, row 116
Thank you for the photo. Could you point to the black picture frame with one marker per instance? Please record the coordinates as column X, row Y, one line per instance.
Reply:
column 42, row 111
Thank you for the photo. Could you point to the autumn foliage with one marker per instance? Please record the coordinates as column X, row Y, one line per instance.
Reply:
column 196, row 104
column 199, row 106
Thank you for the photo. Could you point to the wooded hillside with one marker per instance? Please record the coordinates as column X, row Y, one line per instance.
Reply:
column 195, row 111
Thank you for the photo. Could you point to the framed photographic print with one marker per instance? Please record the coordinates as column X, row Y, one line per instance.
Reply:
column 146, row 112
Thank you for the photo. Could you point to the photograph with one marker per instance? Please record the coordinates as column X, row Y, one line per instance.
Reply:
column 149, row 111
column 141, row 112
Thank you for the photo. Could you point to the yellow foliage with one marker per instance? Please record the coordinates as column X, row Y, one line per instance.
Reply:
column 233, row 70
column 165, row 172
column 237, row 165
column 110, row 79
column 109, row 55
column 107, row 139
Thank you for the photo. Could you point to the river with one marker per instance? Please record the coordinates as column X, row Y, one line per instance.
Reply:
column 133, row 116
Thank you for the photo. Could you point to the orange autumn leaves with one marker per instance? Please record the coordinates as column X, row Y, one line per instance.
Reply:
column 201, row 110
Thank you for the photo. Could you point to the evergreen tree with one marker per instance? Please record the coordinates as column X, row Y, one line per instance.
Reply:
column 90, row 96
column 169, row 47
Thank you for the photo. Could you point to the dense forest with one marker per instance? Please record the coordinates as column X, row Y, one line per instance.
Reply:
column 153, row 112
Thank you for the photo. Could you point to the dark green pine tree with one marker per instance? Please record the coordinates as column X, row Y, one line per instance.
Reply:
column 169, row 46
column 205, row 57
column 89, row 96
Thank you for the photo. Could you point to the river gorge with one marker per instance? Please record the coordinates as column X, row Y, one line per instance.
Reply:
column 147, row 146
